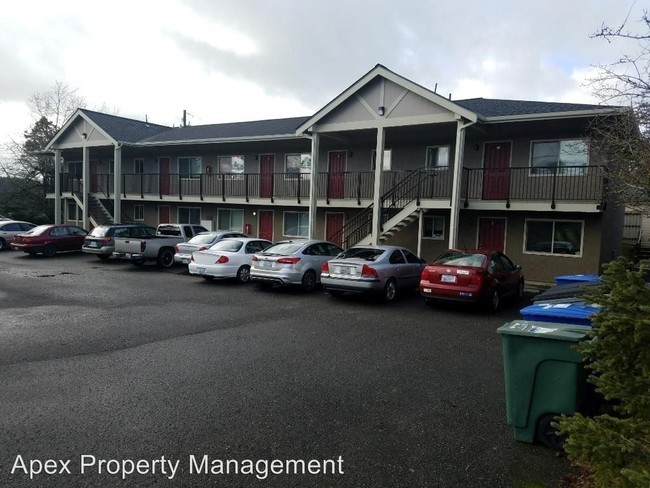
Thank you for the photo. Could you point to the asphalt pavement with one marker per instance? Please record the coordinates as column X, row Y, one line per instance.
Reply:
column 107, row 368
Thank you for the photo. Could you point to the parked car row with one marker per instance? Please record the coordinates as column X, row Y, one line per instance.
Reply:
column 475, row 275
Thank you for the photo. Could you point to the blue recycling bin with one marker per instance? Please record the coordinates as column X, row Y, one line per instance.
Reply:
column 576, row 278
column 560, row 311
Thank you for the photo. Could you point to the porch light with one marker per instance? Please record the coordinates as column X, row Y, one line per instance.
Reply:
column 381, row 110
column 84, row 135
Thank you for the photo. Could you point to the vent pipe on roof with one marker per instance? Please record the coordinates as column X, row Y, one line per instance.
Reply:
column 435, row 88
column 450, row 96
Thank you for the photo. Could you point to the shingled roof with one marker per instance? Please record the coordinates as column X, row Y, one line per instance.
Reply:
column 122, row 129
column 234, row 130
column 492, row 107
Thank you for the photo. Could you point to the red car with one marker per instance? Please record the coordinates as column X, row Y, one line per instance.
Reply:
column 50, row 239
column 471, row 275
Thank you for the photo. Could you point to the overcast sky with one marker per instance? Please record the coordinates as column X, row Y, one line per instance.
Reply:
column 233, row 60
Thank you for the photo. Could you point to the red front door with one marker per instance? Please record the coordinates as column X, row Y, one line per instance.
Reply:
column 491, row 234
column 496, row 171
column 336, row 183
column 265, row 230
column 163, row 214
column 94, row 176
column 333, row 226
column 164, row 176
column 267, row 166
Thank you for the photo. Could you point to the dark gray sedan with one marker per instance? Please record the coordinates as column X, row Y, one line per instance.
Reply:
column 373, row 269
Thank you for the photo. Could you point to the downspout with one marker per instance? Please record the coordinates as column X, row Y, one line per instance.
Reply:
column 455, row 189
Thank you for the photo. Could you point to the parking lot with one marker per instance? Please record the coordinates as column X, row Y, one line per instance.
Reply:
column 135, row 363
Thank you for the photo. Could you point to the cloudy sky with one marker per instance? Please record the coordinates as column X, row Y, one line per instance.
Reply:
column 233, row 60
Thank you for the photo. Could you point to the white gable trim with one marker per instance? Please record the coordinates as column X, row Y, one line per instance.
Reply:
column 381, row 71
column 71, row 121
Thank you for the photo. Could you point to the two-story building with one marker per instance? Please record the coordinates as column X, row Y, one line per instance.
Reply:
column 385, row 161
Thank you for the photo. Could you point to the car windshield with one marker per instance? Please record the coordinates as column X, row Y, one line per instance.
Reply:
column 367, row 253
column 284, row 248
column 459, row 258
column 227, row 246
column 99, row 232
column 37, row 231
column 202, row 239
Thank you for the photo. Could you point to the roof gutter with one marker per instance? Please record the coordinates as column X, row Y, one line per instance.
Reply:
column 550, row 116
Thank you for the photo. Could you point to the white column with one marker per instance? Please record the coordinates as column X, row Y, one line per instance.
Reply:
column 376, row 199
column 85, row 188
column 117, row 184
column 57, row 186
column 455, row 191
column 420, row 231
column 313, row 184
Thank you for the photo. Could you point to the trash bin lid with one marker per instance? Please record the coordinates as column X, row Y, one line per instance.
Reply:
column 568, row 291
column 576, row 278
column 561, row 309
column 544, row 330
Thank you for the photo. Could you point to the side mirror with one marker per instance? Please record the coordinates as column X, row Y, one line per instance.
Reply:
column 517, row 267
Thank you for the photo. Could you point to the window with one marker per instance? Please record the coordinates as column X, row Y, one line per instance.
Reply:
column 75, row 168
column 410, row 257
column 387, row 160
column 232, row 165
column 569, row 157
column 138, row 166
column 298, row 164
column 296, row 224
column 138, row 212
column 74, row 212
column 189, row 167
column 434, row 228
column 232, row 220
column 397, row 257
column 437, row 157
column 554, row 237
column 189, row 215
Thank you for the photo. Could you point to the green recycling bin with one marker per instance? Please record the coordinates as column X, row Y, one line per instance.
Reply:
column 544, row 376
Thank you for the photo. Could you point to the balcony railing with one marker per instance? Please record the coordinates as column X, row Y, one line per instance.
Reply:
column 574, row 183
column 550, row 184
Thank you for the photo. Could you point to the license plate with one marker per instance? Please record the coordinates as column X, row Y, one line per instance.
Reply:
column 344, row 271
column 187, row 261
column 448, row 279
column 265, row 264
column 93, row 244
column 201, row 270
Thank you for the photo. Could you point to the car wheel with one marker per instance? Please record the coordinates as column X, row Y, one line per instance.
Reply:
column 165, row 258
column 49, row 251
column 244, row 274
column 520, row 290
column 335, row 293
column 103, row 257
column 3, row 244
column 390, row 290
column 309, row 280
column 137, row 262
column 547, row 434
column 495, row 301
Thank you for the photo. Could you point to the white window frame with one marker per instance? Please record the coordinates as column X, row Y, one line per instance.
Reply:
column 542, row 253
column 388, row 158
column 190, row 174
column 138, row 166
column 138, row 213
column 189, row 209
column 438, row 147
column 304, row 168
column 284, row 224
column 230, row 224
column 434, row 218
column 557, row 165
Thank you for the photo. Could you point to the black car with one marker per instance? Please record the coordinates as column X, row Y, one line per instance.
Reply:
column 101, row 242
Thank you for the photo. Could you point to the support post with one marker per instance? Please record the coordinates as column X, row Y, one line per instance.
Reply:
column 85, row 188
column 376, row 197
column 57, row 186
column 455, row 189
column 117, row 182
column 313, row 195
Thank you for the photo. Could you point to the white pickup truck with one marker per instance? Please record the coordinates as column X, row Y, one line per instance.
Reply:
column 159, row 247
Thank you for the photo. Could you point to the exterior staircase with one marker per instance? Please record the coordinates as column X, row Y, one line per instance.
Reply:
column 99, row 214
column 399, row 207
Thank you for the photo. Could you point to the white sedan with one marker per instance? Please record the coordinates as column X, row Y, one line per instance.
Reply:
column 228, row 258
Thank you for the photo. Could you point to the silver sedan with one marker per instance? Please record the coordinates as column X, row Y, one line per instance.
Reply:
column 293, row 263
column 200, row 242
column 373, row 269
column 228, row 258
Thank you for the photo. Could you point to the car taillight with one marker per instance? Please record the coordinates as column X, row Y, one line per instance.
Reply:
column 106, row 240
column 255, row 258
column 325, row 268
column 476, row 279
column 176, row 250
column 222, row 260
column 368, row 272
column 143, row 245
column 288, row 260
column 425, row 275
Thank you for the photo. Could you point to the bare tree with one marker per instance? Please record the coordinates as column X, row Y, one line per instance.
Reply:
column 56, row 104
column 624, row 139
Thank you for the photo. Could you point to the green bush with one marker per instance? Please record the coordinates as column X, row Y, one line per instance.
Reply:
column 616, row 445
